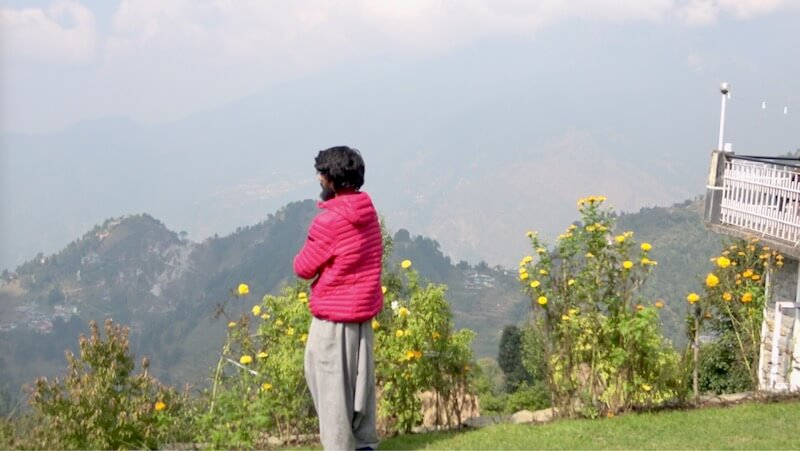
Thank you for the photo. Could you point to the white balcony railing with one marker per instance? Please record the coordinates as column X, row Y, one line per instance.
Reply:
column 756, row 195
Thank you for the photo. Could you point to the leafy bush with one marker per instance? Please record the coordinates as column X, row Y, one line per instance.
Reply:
column 600, row 341
column 101, row 403
column 259, row 386
column 416, row 349
column 732, row 310
column 721, row 371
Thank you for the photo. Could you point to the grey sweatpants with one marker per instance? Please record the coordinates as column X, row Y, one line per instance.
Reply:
column 340, row 372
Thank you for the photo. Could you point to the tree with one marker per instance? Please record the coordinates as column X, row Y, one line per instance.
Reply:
column 509, row 358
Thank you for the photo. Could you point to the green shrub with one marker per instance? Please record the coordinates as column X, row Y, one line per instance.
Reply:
column 259, row 387
column 600, row 343
column 417, row 349
column 732, row 309
column 101, row 404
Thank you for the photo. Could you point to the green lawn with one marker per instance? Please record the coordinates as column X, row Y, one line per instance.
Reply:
column 747, row 426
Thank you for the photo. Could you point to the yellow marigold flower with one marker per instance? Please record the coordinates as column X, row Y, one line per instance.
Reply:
column 524, row 276
column 266, row 386
column 540, row 251
column 256, row 310
column 375, row 324
column 542, row 300
column 435, row 335
column 747, row 297
column 627, row 264
column 570, row 282
column 601, row 228
column 262, row 355
column 245, row 359
column 659, row 304
column 523, row 270
column 646, row 246
column 646, row 387
column 692, row 298
column 646, row 261
column 303, row 338
column 747, row 274
column 265, row 316
column 528, row 258
column 779, row 263
column 712, row 280
column 572, row 227
column 302, row 297
column 402, row 312
column 399, row 333
column 535, row 284
column 405, row 264
column 639, row 307
column 620, row 239
column 591, row 228
column 564, row 317
column 573, row 311
column 279, row 322
column 543, row 272
column 530, row 233
column 723, row 262
column 290, row 331
column 232, row 324
column 383, row 289
column 589, row 255
column 160, row 405
column 243, row 289
column 756, row 277
column 409, row 355
column 727, row 296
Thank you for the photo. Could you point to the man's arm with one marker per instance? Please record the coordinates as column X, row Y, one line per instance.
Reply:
column 317, row 250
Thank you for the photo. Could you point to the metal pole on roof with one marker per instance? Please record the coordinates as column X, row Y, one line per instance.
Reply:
column 724, row 88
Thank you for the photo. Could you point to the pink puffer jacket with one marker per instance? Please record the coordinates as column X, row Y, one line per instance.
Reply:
column 343, row 250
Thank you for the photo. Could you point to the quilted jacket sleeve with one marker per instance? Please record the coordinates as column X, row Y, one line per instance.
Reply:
column 317, row 250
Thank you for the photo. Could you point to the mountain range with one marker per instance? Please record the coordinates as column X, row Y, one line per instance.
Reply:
column 168, row 288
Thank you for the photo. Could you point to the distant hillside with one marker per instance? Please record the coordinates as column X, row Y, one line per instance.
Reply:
column 167, row 288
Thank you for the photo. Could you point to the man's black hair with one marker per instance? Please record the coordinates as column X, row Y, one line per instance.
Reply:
column 341, row 165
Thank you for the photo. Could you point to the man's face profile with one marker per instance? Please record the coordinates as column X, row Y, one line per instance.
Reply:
column 327, row 189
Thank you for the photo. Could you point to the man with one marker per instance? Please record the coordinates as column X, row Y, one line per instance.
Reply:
column 343, row 254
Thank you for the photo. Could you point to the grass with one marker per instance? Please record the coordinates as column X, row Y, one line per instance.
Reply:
column 746, row 426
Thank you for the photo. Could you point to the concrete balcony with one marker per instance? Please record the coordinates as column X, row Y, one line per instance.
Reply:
column 750, row 197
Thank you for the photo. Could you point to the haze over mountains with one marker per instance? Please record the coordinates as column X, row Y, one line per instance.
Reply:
column 471, row 147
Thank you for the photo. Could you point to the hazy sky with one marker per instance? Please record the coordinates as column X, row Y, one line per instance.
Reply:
column 66, row 61
column 531, row 104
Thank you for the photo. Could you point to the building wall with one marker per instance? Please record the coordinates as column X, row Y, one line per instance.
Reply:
column 784, row 282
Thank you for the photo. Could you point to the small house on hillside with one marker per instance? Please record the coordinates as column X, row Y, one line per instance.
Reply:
column 750, row 196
